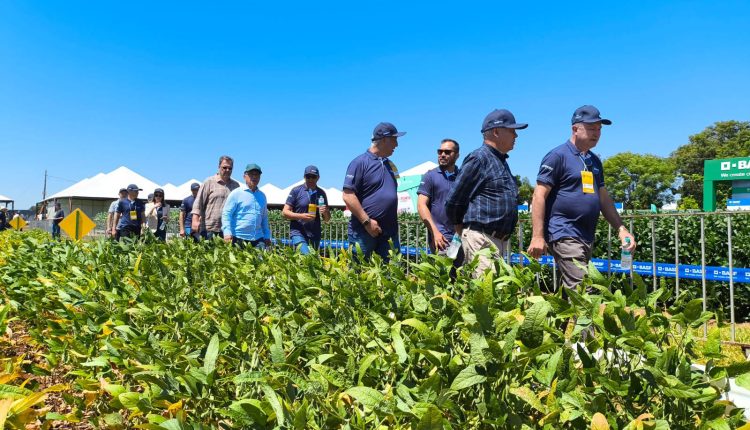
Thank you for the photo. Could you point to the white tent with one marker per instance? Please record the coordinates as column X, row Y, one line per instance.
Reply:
column 106, row 185
column 419, row 169
column 277, row 196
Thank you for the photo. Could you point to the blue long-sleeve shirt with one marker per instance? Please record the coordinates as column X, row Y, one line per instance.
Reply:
column 245, row 215
column 485, row 192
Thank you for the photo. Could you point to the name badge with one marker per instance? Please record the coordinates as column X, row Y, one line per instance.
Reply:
column 133, row 215
column 587, row 180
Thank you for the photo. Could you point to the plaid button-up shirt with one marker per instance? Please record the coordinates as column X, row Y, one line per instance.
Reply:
column 485, row 193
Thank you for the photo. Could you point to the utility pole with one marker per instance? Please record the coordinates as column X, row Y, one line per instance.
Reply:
column 44, row 196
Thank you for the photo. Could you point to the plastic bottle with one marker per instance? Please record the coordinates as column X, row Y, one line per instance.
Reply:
column 321, row 203
column 626, row 258
column 452, row 250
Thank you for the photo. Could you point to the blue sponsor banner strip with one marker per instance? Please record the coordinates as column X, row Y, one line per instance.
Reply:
column 643, row 268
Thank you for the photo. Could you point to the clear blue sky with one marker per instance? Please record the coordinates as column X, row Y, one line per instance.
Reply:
column 166, row 87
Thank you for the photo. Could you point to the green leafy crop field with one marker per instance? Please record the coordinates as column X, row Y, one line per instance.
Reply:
column 187, row 336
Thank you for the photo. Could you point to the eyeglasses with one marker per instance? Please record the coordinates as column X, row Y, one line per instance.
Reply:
column 310, row 177
column 445, row 151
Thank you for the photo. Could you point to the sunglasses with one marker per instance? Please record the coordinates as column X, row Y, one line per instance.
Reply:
column 445, row 151
column 310, row 177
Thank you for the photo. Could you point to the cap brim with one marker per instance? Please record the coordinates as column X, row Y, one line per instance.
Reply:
column 603, row 121
column 399, row 134
column 519, row 126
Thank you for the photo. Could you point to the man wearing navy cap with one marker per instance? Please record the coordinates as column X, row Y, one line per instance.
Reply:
column 186, row 210
column 304, row 211
column 370, row 194
column 483, row 203
column 244, row 218
column 129, row 215
column 569, row 195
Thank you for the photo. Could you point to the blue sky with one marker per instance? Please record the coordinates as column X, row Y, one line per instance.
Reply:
column 166, row 87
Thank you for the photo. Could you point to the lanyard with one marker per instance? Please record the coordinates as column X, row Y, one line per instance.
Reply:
column 583, row 160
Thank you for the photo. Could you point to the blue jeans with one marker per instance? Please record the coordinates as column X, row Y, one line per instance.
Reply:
column 369, row 244
column 303, row 244
column 56, row 230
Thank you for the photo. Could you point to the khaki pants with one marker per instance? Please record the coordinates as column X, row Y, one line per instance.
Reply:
column 473, row 241
column 572, row 258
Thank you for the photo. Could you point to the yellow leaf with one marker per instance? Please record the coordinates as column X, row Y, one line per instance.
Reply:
column 599, row 422
column 175, row 407
column 8, row 377
column 4, row 408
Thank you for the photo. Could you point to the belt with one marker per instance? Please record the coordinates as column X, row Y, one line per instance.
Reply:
column 494, row 233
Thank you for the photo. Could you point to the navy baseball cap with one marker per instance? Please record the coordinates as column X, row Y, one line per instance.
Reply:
column 386, row 129
column 134, row 187
column 195, row 186
column 122, row 190
column 501, row 118
column 588, row 114
column 252, row 166
column 159, row 191
column 312, row 170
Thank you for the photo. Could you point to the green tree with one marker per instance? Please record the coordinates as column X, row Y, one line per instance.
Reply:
column 639, row 180
column 724, row 139
column 525, row 189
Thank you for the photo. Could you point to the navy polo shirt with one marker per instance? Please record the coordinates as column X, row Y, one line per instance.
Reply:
column 436, row 184
column 186, row 207
column 298, row 199
column 374, row 183
column 569, row 211
column 124, row 206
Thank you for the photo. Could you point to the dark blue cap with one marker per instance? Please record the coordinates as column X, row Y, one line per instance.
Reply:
column 195, row 186
column 386, row 129
column 588, row 114
column 501, row 118
column 312, row 170
column 134, row 187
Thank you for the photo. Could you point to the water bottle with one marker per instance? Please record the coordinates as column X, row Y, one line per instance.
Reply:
column 452, row 250
column 626, row 258
column 321, row 203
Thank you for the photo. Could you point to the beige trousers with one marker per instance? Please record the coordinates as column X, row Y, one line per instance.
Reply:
column 473, row 241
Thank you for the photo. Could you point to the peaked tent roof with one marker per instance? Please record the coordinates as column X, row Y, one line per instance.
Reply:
column 106, row 186
column 419, row 169
column 5, row 199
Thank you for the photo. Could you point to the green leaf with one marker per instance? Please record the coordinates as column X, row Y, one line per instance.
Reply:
column 212, row 353
column 172, row 424
column 528, row 396
column 129, row 400
column 432, row 419
column 398, row 343
column 466, row 378
column 693, row 309
column 368, row 397
column 273, row 400
column 743, row 381
column 366, row 362
column 277, row 348
column 531, row 332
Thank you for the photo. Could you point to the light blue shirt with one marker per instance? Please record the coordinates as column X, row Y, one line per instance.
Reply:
column 245, row 215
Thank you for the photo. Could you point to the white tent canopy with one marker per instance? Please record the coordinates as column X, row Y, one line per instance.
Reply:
column 419, row 169
column 5, row 199
column 106, row 185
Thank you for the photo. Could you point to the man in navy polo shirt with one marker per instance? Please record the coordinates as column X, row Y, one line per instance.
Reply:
column 483, row 203
column 370, row 194
column 569, row 195
column 304, row 210
column 186, row 210
column 129, row 215
column 433, row 191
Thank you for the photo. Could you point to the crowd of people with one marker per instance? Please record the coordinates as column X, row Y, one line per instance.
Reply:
column 474, row 206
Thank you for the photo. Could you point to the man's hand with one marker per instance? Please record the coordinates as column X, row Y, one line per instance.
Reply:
column 306, row 217
column 268, row 242
column 228, row 239
column 439, row 240
column 537, row 247
column 182, row 232
column 623, row 233
column 373, row 228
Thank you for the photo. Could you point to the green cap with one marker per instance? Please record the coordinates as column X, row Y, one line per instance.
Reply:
column 253, row 166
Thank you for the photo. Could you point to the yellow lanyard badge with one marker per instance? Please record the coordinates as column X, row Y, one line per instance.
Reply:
column 587, row 181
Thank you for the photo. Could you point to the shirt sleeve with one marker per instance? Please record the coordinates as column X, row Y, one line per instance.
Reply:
column 425, row 186
column 198, row 203
column 325, row 196
column 290, row 199
column 227, row 215
column 353, row 178
column 464, row 188
column 549, row 170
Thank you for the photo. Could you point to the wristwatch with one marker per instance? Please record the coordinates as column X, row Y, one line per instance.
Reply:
column 366, row 222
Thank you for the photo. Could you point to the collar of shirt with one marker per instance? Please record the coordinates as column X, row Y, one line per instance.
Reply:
column 574, row 149
column 448, row 175
column 497, row 153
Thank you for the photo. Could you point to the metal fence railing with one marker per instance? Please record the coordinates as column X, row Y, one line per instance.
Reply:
column 702, row 254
